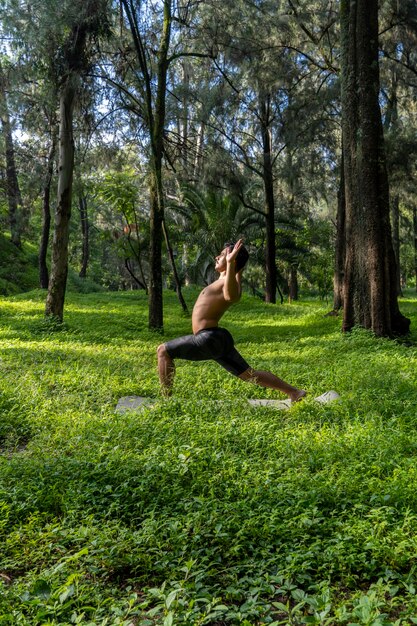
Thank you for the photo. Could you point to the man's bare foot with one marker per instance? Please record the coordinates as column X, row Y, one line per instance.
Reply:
column 297, row 395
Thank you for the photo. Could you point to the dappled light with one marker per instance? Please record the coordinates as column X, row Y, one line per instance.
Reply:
column 243, row 495
column 208, row 313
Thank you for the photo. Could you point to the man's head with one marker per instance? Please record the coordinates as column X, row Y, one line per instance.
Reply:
column 241, row 258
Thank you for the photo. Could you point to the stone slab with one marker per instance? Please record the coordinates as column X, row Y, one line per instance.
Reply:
column 135, row 403
column 130, row 403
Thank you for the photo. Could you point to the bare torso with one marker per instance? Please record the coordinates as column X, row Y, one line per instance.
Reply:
column 210, row 306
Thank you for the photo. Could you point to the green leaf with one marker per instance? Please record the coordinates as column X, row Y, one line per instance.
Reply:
column 67, row 593
column 170, row 598
column 169, row 620
column 41, row 589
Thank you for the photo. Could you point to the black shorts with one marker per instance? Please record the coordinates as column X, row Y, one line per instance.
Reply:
column 215, row 344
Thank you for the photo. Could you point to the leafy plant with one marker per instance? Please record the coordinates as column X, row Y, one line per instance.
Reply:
column 201, row 509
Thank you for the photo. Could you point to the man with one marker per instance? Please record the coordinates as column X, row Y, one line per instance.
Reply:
column 208, row 340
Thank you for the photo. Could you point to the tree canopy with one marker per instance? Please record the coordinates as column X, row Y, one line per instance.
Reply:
column 187, row 120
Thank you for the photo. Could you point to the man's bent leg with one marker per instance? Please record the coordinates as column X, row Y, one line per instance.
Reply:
column 166, row 370
column 267, row 379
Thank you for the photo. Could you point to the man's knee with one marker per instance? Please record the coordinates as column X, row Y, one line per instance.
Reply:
column 162, row 351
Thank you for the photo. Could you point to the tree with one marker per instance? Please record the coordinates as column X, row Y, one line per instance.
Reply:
column 12, row 182
column 154, row 58
column 339, row 263
column 210, row 220
column 370, row 297
column 275, row 108
column 125, row 192
column 88, row 18
column 46, row 208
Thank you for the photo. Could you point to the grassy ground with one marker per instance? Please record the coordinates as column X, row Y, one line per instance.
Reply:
column 196, row 512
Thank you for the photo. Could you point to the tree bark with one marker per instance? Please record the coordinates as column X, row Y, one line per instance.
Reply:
column 46, row 215
column 293, row 284
column 340, row 251
column 74, row 65
column 391, row 124
column 174, row 270
column 85, row 231
column 268, row 180
column 199, row 149
column 415, row 242
column 395, row 225
column 157, row 124
column 59, row 270
column 155, row 251
column 185, row 115
column 14, row 197
column 137, row 281
column 370, row 297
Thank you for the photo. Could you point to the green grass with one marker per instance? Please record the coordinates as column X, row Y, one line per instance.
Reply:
column 201, row 512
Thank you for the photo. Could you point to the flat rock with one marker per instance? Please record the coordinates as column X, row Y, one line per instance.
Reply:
column 328, row 396
column 135, row 403
column 281, row 405
column 130, row 403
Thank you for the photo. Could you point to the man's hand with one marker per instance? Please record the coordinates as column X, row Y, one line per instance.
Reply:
column 231, row 256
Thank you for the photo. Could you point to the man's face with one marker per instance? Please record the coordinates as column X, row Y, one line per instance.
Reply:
column 220, row 265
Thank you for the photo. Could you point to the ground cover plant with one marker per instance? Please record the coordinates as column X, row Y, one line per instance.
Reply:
column 201, row 509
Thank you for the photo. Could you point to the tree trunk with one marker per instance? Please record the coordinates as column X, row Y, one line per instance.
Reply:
column 268, row 180
column 59, row 269
column 415, row 242
column 370, row 296
column 137, row 281
column 293, row 284
column 338, row 278
column 156, row 190
column 174, row 269
column 395, row 225
column 46, row 216
column 199, row 149
column 85, row 230
column 185, row 115
column 14, row 198
column 155, row 250
column 391, row 124
column 136, row 251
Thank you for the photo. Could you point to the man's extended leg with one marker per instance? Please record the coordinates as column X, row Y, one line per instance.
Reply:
column 166, row 370
column 267, row 379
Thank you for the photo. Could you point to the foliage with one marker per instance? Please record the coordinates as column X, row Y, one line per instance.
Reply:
column 285, row 53
column 200, row 509
column 18, row 271
column 211, row 219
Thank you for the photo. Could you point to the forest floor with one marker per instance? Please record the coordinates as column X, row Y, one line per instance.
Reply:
column 198, row 512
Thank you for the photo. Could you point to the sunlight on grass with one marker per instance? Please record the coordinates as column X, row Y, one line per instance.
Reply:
column 196, row 511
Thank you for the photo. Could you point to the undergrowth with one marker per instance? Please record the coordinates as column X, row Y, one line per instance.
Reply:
column 201, row 509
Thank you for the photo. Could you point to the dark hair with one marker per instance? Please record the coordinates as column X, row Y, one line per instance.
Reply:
column 241, row 258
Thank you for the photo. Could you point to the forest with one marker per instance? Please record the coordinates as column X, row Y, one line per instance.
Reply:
column 137, row 138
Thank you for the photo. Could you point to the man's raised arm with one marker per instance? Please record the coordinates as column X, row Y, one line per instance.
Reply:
column 232, row 288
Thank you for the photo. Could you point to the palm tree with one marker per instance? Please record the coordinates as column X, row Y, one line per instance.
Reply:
column 207, row 221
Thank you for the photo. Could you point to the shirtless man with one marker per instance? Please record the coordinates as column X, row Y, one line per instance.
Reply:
column 209, row 341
